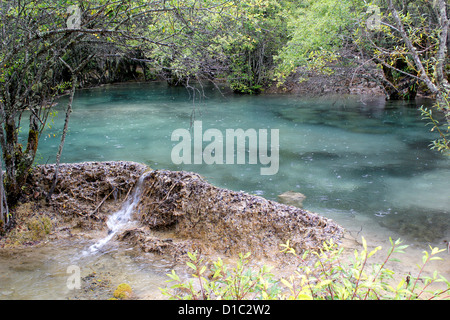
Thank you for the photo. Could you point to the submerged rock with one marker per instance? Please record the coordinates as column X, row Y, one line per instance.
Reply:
column 292, row 198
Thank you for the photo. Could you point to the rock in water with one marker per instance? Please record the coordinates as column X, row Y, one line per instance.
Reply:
column 292, row 198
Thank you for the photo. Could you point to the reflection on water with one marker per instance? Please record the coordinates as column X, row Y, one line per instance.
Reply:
column 361, row 161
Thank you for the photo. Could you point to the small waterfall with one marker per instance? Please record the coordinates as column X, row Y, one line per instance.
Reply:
column 122, row 217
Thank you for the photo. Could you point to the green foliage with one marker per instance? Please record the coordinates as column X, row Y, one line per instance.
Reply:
column 321, row 275
column 35, row 229
column 387, row 47
column 39, row 227
column 332, row 278
column 233, row 41
column 441, row 144
column 222, row 282
column 318, row 29
column 260, row 33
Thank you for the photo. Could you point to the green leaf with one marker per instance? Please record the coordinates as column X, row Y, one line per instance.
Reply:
column 192, row 256
column 173, row 276
column 287, row 283
column 425, row 257
column 323, row 283
column 191, row 265
column 436, row 258
column 304, row 297
column 202, row 270
column 374, row 251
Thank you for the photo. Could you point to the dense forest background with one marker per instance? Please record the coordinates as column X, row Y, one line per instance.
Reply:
column 48, row 48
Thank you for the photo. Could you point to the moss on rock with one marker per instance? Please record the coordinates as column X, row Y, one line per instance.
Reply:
column 123, row 291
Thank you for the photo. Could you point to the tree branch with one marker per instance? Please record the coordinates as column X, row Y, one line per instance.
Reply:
column 412, row 50
column 441, row 55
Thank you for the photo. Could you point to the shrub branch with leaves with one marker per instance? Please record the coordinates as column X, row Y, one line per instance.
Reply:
column 224, row 282
column 321, row 275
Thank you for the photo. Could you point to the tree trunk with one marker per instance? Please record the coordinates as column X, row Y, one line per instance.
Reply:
column 4, row 212
column 442, row 56
column 63, row 137
column 10, row 153
column 18, row 162
column 440, row 87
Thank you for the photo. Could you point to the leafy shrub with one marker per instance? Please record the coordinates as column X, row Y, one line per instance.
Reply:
column 321, row 275
column 332, row 278
column 223, row 282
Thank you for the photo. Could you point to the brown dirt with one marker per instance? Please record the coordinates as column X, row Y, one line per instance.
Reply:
column 89, row 191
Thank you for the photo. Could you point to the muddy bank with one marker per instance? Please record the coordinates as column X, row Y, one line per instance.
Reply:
column 178, row 211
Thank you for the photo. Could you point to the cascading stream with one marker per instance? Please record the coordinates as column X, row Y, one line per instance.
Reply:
column 120, row 218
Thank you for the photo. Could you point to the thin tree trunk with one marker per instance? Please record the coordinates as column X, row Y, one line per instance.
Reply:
column 442, row 52
column 75, row 73
column 4, row 214
column 2, row 217
column 63, row 137
column 444, row 86
column 441, row 88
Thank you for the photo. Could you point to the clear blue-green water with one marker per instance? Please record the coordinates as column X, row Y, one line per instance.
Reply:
column 352, row 156
column 359, row 160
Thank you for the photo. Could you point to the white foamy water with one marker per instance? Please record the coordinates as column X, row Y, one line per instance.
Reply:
column 121, row 218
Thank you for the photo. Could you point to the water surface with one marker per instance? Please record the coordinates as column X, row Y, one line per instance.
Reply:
column 361, row 161
column 351, row 156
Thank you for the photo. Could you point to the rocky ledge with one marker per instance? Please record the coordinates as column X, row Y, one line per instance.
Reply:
column 179, row 211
